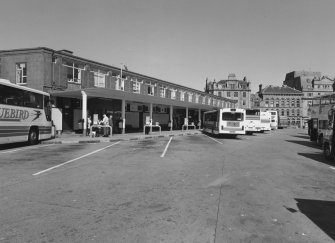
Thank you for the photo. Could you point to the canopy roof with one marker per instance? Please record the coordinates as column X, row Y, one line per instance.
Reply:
column 117, row 94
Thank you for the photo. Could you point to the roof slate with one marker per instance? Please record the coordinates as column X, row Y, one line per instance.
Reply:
column 270, row 89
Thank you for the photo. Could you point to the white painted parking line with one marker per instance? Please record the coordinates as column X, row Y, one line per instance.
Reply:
column 25, row 148
column 166, row 147
column 213, row 139
column 67, row 162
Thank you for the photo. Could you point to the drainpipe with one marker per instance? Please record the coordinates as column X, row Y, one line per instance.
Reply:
column 84, row 111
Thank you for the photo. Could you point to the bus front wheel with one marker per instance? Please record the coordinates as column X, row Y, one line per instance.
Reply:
column 33, row 136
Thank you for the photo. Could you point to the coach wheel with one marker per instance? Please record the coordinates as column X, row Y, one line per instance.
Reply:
column 327, row 152
column 33, row 136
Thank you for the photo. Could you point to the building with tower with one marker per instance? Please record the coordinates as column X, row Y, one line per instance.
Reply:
column 231, row 88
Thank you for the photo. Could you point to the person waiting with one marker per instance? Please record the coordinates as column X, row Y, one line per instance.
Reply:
column 105, row 123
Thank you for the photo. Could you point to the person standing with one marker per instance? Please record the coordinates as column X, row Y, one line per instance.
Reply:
column 105, row 123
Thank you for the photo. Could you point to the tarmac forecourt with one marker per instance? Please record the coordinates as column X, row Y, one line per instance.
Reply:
column 78, row 138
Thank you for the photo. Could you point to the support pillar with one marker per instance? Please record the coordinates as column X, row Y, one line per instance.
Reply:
column 84, row 111
column 171, row 117
column 199, row 118
column 150, row 112
column 123, row 116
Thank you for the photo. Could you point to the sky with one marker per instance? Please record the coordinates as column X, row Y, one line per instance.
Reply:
column 182, row 41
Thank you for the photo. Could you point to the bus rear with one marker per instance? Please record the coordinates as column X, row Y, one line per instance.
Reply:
column 265, row 121
column 231, row 121
column 252, row 121
column 274, row 120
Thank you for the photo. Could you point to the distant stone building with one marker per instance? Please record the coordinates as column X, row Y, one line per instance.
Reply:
column 311, row 84
column 286, row 100
column 231, row 88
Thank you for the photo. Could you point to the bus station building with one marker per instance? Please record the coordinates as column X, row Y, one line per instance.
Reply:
column 80, row 87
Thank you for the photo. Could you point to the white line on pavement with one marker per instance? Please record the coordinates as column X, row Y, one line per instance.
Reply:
column 25, row 148
column 331, row 167
column 67, row 162
column 213, row 139
column 166, row 147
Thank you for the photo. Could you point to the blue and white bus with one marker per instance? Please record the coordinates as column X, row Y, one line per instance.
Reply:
column 25, row 114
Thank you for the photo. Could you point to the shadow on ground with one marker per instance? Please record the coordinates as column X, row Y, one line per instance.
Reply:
column 305, row 143
column 321, row 213
column 303, row 137
column 319, row 157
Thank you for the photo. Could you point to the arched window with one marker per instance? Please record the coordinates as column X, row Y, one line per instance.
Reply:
column 283, row 112
column 292, row 112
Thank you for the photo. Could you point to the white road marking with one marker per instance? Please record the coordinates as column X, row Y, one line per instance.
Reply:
column 67, row 162
column 25, row 148
column 331, row 167
column 166, row 147
column 213, row 139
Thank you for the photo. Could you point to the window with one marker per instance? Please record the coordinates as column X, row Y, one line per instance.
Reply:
column 298, row 102
column 283, row 112
column 99, row 78
column 266, row 102
column 18, row 97
column 228, row 94
column 292, row 112
column 173, row 94
column 298, row 112
column 235, row 94
column 136, row 86
column 232, row 86
column 182, row 95
column 287, row 112
column 190, row 97
column 287, row 102
column 162, row 92
column 151, row 89
column 21, row 73
column 292, row 102
column 203, row 100
column 119, row 83
column 196, row 98
column 73, row 72
column 310, row 94
column 244, row 94
column 244, row 102
column 272, row 102
column 220, row 93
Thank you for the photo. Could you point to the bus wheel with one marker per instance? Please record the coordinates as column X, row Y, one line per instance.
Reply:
column 327, row 153
column 33, row 136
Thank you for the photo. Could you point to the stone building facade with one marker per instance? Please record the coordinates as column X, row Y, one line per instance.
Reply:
column 231, row 88
column 285, row 100
column 311, row 84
